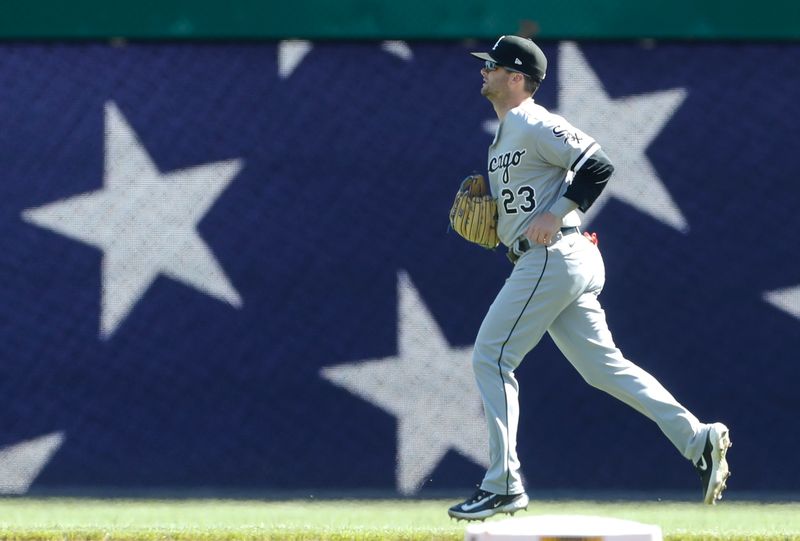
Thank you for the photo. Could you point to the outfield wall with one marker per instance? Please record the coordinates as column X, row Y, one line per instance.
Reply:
column 409, row 19
column 216, row 258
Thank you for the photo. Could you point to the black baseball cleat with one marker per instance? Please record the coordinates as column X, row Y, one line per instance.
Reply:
column 483, row 504
column 712, row 466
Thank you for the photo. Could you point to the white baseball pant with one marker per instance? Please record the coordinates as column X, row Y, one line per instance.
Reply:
column 554, row 289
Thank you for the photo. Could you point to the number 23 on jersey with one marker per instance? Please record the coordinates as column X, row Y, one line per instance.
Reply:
column 523, row 200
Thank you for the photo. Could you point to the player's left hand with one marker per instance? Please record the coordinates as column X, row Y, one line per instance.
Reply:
column 543, row 228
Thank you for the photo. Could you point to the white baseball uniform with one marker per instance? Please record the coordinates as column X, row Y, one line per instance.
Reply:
column 553, row 289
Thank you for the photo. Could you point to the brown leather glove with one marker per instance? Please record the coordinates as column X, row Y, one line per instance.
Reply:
column 474, row 212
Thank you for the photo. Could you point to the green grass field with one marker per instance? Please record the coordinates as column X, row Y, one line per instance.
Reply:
column 63, row 519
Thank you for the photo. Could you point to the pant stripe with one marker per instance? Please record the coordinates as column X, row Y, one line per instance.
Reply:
column 500, row 367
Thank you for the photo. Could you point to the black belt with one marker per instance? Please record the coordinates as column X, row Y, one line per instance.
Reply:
column 523, row 244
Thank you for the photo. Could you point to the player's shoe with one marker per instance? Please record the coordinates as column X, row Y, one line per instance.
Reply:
column 712, row 466
column 483, row 504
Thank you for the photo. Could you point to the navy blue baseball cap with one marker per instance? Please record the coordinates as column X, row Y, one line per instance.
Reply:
column 517, row 54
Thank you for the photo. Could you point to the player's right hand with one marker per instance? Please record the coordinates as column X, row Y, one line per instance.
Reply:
column 543, row 228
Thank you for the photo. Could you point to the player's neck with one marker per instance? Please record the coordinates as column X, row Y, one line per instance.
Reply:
column 502, row 107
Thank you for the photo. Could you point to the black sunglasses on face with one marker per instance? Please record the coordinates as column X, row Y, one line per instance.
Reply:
column 491, row 65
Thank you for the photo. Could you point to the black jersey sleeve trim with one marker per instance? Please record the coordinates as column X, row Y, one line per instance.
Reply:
column 588, row 151
column 590, row 179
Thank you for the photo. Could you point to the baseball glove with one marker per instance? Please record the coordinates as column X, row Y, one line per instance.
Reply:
column 474, row 213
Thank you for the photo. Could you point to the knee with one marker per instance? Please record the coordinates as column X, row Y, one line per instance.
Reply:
column 491, row 357
column 482, row 358
column 606, row 374
column 595, row 378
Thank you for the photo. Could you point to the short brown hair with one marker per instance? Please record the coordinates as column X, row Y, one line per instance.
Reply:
column 531, row 85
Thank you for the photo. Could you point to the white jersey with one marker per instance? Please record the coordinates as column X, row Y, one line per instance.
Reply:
column 532, row 160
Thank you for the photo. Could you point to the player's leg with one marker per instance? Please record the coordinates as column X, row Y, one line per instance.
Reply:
column 582, row 335
column 517, row 319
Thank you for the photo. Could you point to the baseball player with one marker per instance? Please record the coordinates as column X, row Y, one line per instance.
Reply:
column 542, row 170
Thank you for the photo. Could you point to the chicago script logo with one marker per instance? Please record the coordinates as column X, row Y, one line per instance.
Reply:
column 558, row 131
column 504, row 161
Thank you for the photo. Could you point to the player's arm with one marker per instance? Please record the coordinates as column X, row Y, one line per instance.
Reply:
column 591, row 176
column 590, row 179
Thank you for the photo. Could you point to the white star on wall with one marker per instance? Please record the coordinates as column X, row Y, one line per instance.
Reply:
column 400, row 49
column 145, row 223
column 625, row 128
column 786, row 300
column 292, row 52
column 21, row 463
column 428, row 386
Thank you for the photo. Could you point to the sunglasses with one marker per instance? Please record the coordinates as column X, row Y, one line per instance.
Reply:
column 491, row 65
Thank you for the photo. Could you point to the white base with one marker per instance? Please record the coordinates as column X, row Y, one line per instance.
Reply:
column 563, row 528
